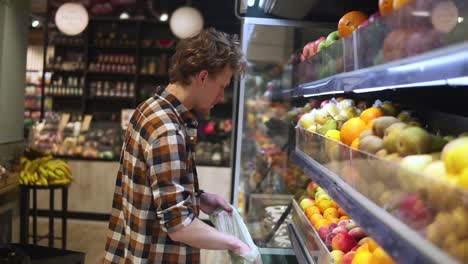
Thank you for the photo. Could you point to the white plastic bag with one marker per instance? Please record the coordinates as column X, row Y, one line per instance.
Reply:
column 234, row 225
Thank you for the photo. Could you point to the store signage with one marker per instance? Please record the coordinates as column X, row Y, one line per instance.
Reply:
column 71, row 19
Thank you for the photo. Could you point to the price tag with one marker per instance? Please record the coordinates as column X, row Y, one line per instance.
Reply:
column 63, row 121
column 86, row 123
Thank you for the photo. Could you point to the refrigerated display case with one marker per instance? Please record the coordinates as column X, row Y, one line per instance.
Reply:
column 414, row 58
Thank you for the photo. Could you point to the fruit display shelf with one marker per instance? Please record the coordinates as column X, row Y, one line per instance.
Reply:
column 379, row 195
column 312, row 247
column 406, row 48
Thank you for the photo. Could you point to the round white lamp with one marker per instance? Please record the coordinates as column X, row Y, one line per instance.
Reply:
column 186, row 22
column 71, row 18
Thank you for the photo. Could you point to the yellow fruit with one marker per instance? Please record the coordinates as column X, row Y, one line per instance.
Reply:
column 322, row 222
column 311, row 210
column 455, row 155
column 381, row 257
column 324, row 205
column 344, row 217
column 462, row 180
column 315, row 218
column 363, row 257
column 371, row 243
column 370, row 114
column 331, row 213
column 355, row 144
column 333, row 134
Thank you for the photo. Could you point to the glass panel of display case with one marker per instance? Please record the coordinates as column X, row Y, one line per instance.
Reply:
column 267, row 180
column 420, row 199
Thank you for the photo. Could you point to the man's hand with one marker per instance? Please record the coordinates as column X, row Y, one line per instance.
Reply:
column 209, row 202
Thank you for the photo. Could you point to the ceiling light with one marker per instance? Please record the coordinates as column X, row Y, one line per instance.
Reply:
column 35, row 23
column 186, row 22
column 124, row 15
column 163, row 17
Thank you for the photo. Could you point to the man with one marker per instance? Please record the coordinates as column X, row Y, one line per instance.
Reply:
column 157, row 198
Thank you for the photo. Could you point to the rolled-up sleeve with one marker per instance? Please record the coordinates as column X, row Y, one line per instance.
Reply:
column 171, row 184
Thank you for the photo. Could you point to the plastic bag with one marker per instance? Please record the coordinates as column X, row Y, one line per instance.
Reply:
column 234, row 225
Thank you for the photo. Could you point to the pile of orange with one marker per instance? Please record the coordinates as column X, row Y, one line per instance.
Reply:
column 351, row 130
column 323, row 212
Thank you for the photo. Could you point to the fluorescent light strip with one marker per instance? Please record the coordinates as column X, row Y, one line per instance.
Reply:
column 411, row 85
column 435, row 62
column 460, row 81
column 324, row 93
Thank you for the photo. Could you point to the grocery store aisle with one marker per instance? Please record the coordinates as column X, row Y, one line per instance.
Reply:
column 90, row 236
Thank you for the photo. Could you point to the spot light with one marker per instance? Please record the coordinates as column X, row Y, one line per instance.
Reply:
column 35, row 23
column 163, row 17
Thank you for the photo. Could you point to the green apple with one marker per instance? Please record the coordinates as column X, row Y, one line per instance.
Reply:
column 334, row 36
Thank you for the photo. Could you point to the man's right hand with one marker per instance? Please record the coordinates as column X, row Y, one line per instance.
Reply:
column 240, row 248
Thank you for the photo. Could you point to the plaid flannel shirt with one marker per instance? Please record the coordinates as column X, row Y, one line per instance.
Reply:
column 155, row 186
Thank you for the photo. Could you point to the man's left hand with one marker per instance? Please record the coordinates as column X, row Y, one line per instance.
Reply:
column 209, row 202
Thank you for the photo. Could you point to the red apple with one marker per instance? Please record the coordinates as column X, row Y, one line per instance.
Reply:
column 344, row 223
column 332, row 226
column 323, row 232
column 351, row 224
column 324, row 103
column 340, row 229
column 414, row 211
column 364, row 23
column 343, row 241
column 306, row 51
column 311, row 187
column 348, row 258
column 358, row 233
column 328, row 240
column 314, row 47
column 374, row 17
column 355, row 248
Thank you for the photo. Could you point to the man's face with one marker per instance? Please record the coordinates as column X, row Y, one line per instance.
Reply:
column 212, row 90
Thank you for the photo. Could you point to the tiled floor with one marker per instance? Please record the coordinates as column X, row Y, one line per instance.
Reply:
column 90, row 236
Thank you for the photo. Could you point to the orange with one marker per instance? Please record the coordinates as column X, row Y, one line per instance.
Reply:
column 334, row 204
column 355, row 144
column 370, row 124
column 341, row 211
column 344, row 217
column 331, row 213
column 351, row 130
column 399, row 3
column 350, row 22
column 385, row 6
column 314, row 218
column 370, row 114
column 321, row 199
column 322, row 222
column 309, row 211
column 334, row 220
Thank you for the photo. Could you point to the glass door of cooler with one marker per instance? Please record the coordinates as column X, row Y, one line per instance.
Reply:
column 265, row 179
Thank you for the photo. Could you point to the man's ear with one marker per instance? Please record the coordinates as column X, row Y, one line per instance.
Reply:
column 202, row 76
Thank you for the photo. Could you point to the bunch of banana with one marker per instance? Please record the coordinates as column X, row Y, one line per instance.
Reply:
column 44, row 171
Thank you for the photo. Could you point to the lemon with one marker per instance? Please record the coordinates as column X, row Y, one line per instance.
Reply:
column 333, row 134
column 455, row 155
column 462, row 180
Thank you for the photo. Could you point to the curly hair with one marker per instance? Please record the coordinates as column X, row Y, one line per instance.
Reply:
column 210, row 50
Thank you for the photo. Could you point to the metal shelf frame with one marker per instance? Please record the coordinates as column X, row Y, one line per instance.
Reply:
column 403, row 243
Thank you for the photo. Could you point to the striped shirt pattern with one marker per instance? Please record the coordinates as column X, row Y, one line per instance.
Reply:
column 156, row 185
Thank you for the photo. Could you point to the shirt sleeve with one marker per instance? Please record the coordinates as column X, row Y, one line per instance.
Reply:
column 171, row 184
